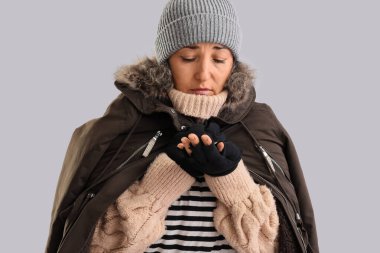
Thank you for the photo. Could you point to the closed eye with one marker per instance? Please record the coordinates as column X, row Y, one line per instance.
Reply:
column 219, row 61
column 193, row 59
column 188, row 59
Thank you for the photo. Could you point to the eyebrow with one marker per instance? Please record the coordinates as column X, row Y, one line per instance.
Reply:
column 215, row 47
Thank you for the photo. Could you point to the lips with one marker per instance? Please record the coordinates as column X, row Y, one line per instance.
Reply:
column 201, row 91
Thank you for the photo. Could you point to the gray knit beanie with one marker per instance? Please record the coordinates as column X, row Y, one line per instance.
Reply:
column 187, row 22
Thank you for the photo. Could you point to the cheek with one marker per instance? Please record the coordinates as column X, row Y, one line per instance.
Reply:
column 223, row 77
column 179, row 79
column 220, row 86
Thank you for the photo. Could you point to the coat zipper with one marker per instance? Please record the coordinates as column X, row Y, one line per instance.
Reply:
column 269, row 161
column 151, row 143
column 148, row 148
column 287, row 206
column 298, row 219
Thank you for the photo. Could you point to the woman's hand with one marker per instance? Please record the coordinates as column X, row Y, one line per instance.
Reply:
column 204, row 150
column 193, row 140
column 180, row 156
column 211, row 153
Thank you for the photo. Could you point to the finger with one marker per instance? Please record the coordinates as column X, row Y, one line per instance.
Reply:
column 193, row 139
column 206, row 139
column 220, row 146
column 186, row 143
column 188, row 151
column 181, row 146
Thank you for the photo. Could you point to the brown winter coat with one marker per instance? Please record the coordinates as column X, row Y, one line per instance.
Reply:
column 133, row 118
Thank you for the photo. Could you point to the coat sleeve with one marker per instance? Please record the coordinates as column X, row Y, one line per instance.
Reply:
column 299, row 183
column 87, row 145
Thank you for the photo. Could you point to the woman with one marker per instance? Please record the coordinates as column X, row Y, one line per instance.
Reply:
column 184, row 159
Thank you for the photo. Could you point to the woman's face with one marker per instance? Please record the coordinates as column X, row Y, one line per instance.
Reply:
column 201, row 68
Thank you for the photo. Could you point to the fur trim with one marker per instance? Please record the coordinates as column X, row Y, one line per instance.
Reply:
column 239, row 85
column 154, row 80
column 151, row 78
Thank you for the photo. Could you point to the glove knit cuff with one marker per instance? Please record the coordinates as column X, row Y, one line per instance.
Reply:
column 165, row 180
column 234, row 187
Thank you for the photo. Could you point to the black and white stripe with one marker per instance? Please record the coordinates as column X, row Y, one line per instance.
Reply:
column 189, row 224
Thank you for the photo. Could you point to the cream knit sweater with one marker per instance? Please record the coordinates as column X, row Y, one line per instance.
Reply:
column 245, row 214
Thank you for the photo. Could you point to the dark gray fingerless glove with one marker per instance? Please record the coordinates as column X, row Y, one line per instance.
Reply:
column 215, row 163
column 180, row 156
column 209, row 159
column 205, row 159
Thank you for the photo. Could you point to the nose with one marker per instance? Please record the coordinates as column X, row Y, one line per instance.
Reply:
column 203, row 70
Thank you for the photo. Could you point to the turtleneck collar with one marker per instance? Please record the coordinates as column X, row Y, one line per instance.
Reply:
column 199, row 106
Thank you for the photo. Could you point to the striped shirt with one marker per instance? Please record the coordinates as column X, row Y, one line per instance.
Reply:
column 189, row 224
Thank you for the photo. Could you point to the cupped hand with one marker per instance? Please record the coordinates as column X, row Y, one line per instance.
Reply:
column 211, row 153
column 193, row 140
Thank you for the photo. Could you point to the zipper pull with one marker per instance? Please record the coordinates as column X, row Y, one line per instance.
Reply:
column 301, row 229
column 298, row 219
column 90, row 195
column 269, row 160
column 151, row 143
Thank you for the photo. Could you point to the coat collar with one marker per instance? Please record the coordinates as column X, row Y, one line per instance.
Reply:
column 147, row 83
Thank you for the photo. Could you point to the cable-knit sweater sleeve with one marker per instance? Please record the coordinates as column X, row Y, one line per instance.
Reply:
column 246, row 212
column 136, row 219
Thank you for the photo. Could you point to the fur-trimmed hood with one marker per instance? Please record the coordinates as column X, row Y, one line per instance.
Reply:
column 152, row 81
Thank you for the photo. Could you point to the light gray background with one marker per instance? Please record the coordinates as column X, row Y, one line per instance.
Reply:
column 318, row 68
